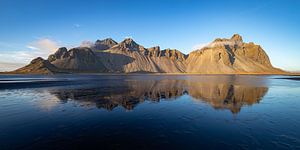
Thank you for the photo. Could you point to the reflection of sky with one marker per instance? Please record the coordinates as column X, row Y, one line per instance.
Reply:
column 47, row 101
column 31, row 29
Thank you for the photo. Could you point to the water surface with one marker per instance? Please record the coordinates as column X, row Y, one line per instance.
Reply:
column 149, row 112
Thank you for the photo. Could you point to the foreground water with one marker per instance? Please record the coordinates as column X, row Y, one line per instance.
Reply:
column 149, row 112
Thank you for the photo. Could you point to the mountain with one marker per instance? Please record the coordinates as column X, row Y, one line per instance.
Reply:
column 128, row 45
column 80, row 59
column 128, row 56
column 38, row 66
column 104, row 44
column 230, row 56
column 99, row 44
column 222, row 56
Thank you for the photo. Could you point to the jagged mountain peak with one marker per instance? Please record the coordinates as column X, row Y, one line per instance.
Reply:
column 234, row 38
column 155, row 48
column 37, row 60
column 62, row 49
column 128, row 44
column 173, row 54
column 129, row 41
column 107, row 41
column 59, row 54
column 104, row 44
column 99, row 44
column 237, row 37
column 230, row 56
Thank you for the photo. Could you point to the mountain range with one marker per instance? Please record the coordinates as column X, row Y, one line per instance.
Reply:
column 222, row 56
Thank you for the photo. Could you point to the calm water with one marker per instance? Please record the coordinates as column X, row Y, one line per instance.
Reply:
column 149, row 112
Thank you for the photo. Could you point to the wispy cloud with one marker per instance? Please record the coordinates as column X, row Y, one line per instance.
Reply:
column 43, row 44
column 199, row 46
column 87, row 44
column 220, row 43
column 76, row 25
column 214, row 44
column 31, row 47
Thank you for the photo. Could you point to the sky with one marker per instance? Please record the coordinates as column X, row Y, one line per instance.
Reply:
column 33, row 28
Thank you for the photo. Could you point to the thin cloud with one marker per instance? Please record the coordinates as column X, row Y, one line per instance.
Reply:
column 31, row 47
column 87, row 44
column 220, row 43
column 200, row 46
column 44, row 44
column 214, row 44
column 77, row 25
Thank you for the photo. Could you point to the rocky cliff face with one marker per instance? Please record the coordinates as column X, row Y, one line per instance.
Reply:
column 79, row 59
column 128, row 56
column 104, row 44
column 128, row 45
column 222, row 56
column 230, row 56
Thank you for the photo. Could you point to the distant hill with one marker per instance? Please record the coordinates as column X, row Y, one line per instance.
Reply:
column 222, row 56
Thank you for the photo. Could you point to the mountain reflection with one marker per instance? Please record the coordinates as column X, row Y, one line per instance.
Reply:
column 224, row 92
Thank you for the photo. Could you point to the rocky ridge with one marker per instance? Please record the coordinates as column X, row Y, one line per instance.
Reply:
column 222, row 56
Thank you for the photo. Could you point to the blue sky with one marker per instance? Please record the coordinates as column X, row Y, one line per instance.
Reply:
column 37, row 27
